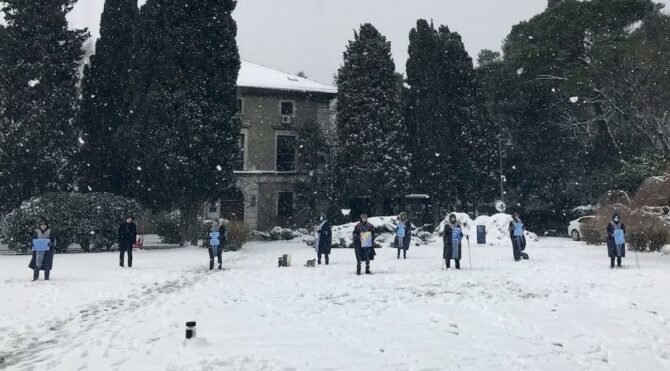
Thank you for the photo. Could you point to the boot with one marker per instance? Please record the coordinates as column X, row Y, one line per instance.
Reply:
column 619, row 262
column 458, row 264
column 121, row 263
column 318, row 262
column 327, row 260
column 220, row 265
column 36, row 274
column 358, row 269
column 404, row 254
column 211, row 264
column 367, row 269
column 611, row 263
column 46, row 275
column 448, row 262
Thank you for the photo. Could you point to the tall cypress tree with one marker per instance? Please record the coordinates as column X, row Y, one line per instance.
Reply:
column 447, row 118
column 371, row 158
column 184, row 109
column 38, row 94
column 103, row 162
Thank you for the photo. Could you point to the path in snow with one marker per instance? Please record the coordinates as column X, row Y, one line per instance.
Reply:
column 564, row 309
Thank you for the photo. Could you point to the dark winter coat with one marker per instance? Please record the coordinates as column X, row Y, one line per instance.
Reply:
column 325, row 243
column 403, row 243
column 360, row 251
column 127, row 235
column 448, row 243
column 48, row 259
column 612, row 250
column 522, row 238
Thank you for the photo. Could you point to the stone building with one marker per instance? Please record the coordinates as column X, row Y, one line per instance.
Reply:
column 273, row 107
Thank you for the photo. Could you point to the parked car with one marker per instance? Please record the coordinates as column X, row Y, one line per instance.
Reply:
column 575, row 227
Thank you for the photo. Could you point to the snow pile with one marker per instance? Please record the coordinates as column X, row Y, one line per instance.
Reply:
column 497, row 227
column 666, row 250
column 385, row 227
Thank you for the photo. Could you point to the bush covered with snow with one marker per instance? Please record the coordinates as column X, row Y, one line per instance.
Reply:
column 284, row 234
column 88, row 219
column 167, row 227
column 497, row 227
column 385, row 226
column 238, row 234
column 644, row 231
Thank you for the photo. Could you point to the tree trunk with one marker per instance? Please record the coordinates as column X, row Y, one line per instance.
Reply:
column 189, row 223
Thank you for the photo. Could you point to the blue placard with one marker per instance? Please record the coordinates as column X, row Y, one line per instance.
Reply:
column 401, row 231
column 518, row 229
column 456, row 234
column 41, row 244
column 619, row 237
column 214, row 238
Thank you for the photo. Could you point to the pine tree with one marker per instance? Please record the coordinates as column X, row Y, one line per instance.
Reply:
column 104, row 111
column 185, row 127
column 38, row 95
column 371, row 158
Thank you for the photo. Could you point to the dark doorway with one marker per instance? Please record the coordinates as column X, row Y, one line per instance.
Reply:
column 232, row 205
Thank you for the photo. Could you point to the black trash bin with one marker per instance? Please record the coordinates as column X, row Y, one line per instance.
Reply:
column 481, row 234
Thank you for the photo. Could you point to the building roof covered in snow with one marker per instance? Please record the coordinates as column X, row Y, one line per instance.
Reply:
column 254, row 75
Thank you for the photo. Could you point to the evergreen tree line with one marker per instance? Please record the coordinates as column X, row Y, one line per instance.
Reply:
column 154, row 116
column 575, row 105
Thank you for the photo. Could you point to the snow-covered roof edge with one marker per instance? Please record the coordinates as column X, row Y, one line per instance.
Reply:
column 254, row 75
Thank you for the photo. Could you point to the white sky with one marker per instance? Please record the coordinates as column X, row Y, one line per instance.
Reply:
column 310, row 35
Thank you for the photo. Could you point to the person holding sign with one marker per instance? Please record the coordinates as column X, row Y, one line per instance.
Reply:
column 217, row 239
column 616, row 240
column 323, row 239
column 451, row 239
column 364, row 242
column 43, row 247
column 127, row 240
column 403, row 235
column 516, row 231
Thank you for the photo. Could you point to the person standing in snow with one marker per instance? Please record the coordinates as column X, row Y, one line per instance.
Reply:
column 516, row 232
column 403, row 234
column 616, row 244
column 323, row 239
column 451, row 239
column 364, row 242
column 217, row 240
column 43, row 260
column 127, row 240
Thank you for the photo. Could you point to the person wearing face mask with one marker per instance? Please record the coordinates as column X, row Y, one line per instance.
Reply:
column 403, row 235
column 451, row 238
column 364, row 242
column 516, row 232
column 43, row 259
column 324, row 239
column 616, row 245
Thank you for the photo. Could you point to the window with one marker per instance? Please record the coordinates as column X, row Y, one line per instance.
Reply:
column 240, row 106
column 286, row 152
column 239, row 164
column 287, row 108
column 213, row 207
column 285, row 204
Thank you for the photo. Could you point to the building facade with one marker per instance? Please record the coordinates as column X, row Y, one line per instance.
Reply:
column 273, row 107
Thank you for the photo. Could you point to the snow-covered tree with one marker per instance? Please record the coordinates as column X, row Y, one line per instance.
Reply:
column 38, row 94
column 103, row 161
column 371, row 158
column 185, row 124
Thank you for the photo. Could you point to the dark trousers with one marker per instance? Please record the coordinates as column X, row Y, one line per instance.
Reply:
column 362, row 255
column 448, row 262
column 36, row 274
column 516, row 246
column 618, row 260
column 219, row 252
column 404, row 253
column 122, row 251
column 319, row 257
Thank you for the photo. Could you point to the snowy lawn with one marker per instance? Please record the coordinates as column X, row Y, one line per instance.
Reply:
column 562, row 310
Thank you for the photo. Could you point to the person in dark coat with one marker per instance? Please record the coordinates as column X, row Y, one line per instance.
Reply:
column 216, row 245
column 324, row 239
column 364, row 242
column 127, row 240
column 403, row 235
column 451, row 239
column 516, row 233
column 43, row 260
column 614, row 250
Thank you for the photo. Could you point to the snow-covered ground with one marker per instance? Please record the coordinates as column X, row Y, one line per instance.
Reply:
column 562, row 310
